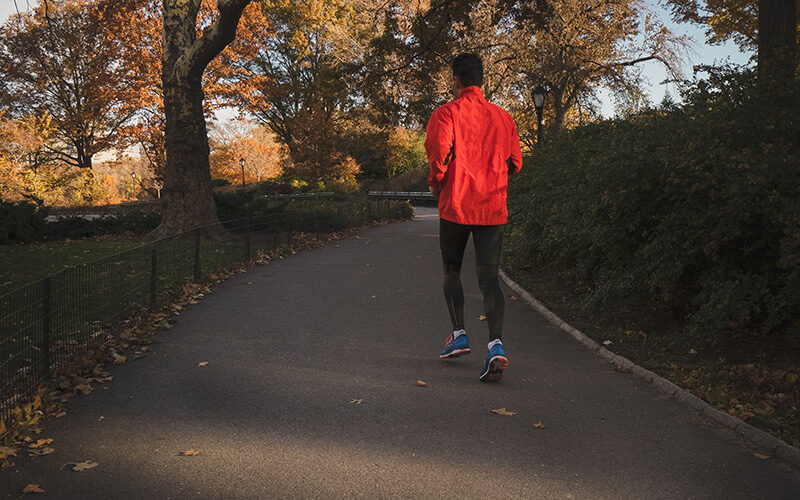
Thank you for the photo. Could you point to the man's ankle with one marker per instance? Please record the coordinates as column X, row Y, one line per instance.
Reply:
column 493, row 343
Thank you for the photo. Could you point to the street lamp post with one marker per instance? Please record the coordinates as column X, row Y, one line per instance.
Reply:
column 241, row 164
column 539, row 95
column 133, row 177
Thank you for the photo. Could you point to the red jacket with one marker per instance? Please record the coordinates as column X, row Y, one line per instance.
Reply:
column 469, row 143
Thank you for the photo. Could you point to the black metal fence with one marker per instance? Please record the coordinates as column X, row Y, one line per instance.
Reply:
column 48, row 323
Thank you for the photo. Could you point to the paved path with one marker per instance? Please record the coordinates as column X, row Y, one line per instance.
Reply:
column 290, row 344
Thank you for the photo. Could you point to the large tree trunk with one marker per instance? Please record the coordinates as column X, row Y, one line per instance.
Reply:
column 188, row 199
column 777, row 39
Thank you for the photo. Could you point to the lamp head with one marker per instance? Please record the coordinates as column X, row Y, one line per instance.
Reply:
column 539, row 95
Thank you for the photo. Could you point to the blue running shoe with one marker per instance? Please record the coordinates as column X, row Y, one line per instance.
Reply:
column 496, row 362
column 455, row 347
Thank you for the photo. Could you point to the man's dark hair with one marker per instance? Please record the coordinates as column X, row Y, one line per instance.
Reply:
column 469, row 69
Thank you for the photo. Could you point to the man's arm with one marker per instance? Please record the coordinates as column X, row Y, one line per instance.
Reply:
column 515, row 159
column 439, row 139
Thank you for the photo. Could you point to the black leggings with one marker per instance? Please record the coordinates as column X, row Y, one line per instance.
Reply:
column 488, row 242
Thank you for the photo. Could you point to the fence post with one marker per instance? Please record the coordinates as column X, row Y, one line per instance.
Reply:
column 197, row 256
column 274, row 241
column 46, row 315
column 153, row 275
column 247, row 238
column 369, row 211
column 289, row 235
column 316, row 225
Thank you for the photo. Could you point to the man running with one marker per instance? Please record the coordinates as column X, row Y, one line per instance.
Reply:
column 472, row 148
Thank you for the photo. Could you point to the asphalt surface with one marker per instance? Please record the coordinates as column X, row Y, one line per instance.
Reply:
column 290, row 344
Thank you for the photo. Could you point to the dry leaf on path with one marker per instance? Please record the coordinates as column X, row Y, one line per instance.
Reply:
column 82, row 466
column 539, row 425
column 202, row 363
column 32, row 488
column 356, row 401
column 118, row 359
column 513, row 297
column 503, row 411
column 41, row 442
column 607, row 342
column 622, row 369
column 189, row 453
column 7, row 451
column 422, row 383
column 761, row 456
column 482, row 317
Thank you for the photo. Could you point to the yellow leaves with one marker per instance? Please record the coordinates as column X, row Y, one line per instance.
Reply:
column 40, row 443
column 422, row 383
column 82, row 466
column 202, row 363
column 503, row 411
column 189, row 453
column 32, row 488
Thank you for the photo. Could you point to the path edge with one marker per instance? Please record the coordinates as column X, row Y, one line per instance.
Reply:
column 775, row 446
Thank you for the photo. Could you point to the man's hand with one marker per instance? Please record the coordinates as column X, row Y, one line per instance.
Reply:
column 434, row 191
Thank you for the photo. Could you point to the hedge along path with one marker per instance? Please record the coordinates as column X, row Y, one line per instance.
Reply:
column 767, row 442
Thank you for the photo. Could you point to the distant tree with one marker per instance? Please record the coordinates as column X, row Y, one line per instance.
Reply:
column 57, row 59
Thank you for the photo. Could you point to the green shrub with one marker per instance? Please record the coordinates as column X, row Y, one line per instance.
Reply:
column 694, row 208
column 20, row 222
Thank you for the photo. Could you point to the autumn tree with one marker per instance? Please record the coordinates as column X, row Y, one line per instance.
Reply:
column 769, row 26
column 187, row 196
column 258, row 145
column 60, row 59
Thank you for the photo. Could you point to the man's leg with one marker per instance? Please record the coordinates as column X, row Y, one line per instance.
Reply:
column 452, row 241
column 488, row 244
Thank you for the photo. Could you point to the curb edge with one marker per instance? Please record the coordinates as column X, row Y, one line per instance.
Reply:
column 776, row 447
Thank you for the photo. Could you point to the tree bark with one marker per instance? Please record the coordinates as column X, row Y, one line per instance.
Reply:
column 188, row 198
column 777, row 39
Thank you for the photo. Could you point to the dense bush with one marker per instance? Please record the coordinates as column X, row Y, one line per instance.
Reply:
column 20, row 222
column 693, row 207
column 25, row 223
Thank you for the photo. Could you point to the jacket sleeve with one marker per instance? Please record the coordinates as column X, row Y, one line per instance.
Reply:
column 515, row 158
column 439, row 137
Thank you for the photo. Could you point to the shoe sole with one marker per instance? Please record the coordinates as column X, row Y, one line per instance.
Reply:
column 497, row 366
column 455, row 354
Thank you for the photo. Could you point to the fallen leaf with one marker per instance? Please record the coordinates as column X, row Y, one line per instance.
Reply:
column 761, row 456
column 513, row 297
column 791, row 378
column 41, row 442
column 422, row 383
column 7, row 451
column 202, row 363
column 189, row 453
column 503, row 411
column 482, row 317
column 118, row 359
column 32, row 488
column 539, row 425
column 145, row 348
column 101, row 418
column 40, row 452
column 622, row 369
column 607, row 342
column 356, row 401
column 82, row 466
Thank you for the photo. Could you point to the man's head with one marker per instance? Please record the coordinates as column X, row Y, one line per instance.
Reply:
column 467, row 71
